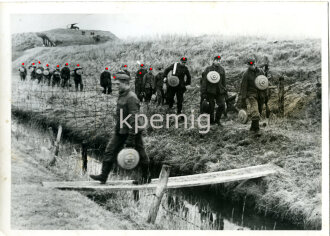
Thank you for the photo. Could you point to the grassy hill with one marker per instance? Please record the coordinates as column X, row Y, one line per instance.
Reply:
column 294, row 142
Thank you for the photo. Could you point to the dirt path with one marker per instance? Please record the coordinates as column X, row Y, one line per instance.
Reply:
column 34, row 207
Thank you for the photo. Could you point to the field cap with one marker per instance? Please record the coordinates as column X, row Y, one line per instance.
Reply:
column 217, row 57
column 23, row 64
column 66, row 64
column 183, row 59
column 142, row 65
column 58, row 66
column 122, row 76
column 106, row 68
column 250, row 61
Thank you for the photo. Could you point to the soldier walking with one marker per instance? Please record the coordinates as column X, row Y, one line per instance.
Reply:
column 65, row 75
column 77, row 72
column 159, row 83
column 105, row 81
column 22, row 72
column 56, row 80
column 47, row 75
column 125, row 136
column 39, row 73
column 33, row 71
column 148, row 85
column 251, row 95
column 213, row 89
column 179, row 70
column 139, row 82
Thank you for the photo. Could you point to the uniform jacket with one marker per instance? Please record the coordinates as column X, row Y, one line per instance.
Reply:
column 105, row 79
column 57, row 74
column 181, row 72
column 75, row 75
column 65, row 72
column 148, row 81
column 159, row 80
column 248, row 86
column 130, row 104
column 207, row 87
column 22, row 73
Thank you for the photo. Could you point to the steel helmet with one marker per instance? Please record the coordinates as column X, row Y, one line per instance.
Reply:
column 242, row 116
column 128, row 158
column 261, row 82
column 213, row 77
column 205, row 107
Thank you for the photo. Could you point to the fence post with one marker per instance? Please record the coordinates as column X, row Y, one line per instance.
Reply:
column 161, row 187
column 57, row 145
column 281, row 96
column 84, row 156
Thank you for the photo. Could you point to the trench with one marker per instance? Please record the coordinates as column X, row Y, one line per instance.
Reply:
column 204, row 207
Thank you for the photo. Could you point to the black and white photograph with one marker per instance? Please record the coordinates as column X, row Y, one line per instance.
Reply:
column 199, row 116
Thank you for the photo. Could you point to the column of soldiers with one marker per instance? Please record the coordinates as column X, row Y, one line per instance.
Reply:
column 54, row 77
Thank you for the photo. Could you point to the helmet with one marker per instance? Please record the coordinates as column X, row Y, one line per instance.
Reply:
column 128, row 158
column 213, row 77
column 205, row 107
column 242, row 116
column 261, row 82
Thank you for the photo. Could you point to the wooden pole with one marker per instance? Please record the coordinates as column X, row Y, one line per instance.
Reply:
column 281, row 96
column 162, row 184
column 57, row 145
column 84, row 156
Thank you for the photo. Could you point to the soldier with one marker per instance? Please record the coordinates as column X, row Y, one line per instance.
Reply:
column 56, row 80
column 139, row 82
column 65, row 75
column 159, row 86
column 22, row 72
column 213, row 89
column 77, row 72
column 39, row 73
column 47, row 75
column 125, row 136
column 33, row 72
column 148, row 85
column 105, row 81
column 251, row 95
column 180, row 71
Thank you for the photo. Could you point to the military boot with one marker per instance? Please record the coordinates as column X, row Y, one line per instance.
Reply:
column 254, row 126
column 106, row 167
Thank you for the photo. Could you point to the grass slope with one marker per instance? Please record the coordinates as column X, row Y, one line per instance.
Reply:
column 294, row 144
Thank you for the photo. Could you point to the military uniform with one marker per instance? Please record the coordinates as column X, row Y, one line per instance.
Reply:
column 179, row 90
column 105, row 82
column 39, row 76
column 252, row 97
column 148, row 85
column 47, row 78
column 23, row 73
column 214, row 92
column 139, row 83
column 65, row 76
column 56, row 78
column 77, row 79
column 125, row 136
column 159, row 82
column 33, row 72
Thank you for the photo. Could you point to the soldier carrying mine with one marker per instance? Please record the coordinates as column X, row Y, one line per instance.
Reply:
column 213, row 89
column 22, row 72
column 77, row 78
column 47, row 75
column 56, row 79
column 174, row 76
column 124, row 135
column 39, row 72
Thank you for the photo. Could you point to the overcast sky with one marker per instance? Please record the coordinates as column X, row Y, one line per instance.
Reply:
column 148, row 19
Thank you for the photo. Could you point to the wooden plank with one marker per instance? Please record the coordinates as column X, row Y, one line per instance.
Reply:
column 174, row 182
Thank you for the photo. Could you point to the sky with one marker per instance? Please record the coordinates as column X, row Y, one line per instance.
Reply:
column 278, row 19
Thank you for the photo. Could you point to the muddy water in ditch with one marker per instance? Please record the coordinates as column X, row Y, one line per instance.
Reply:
column 188, row 208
